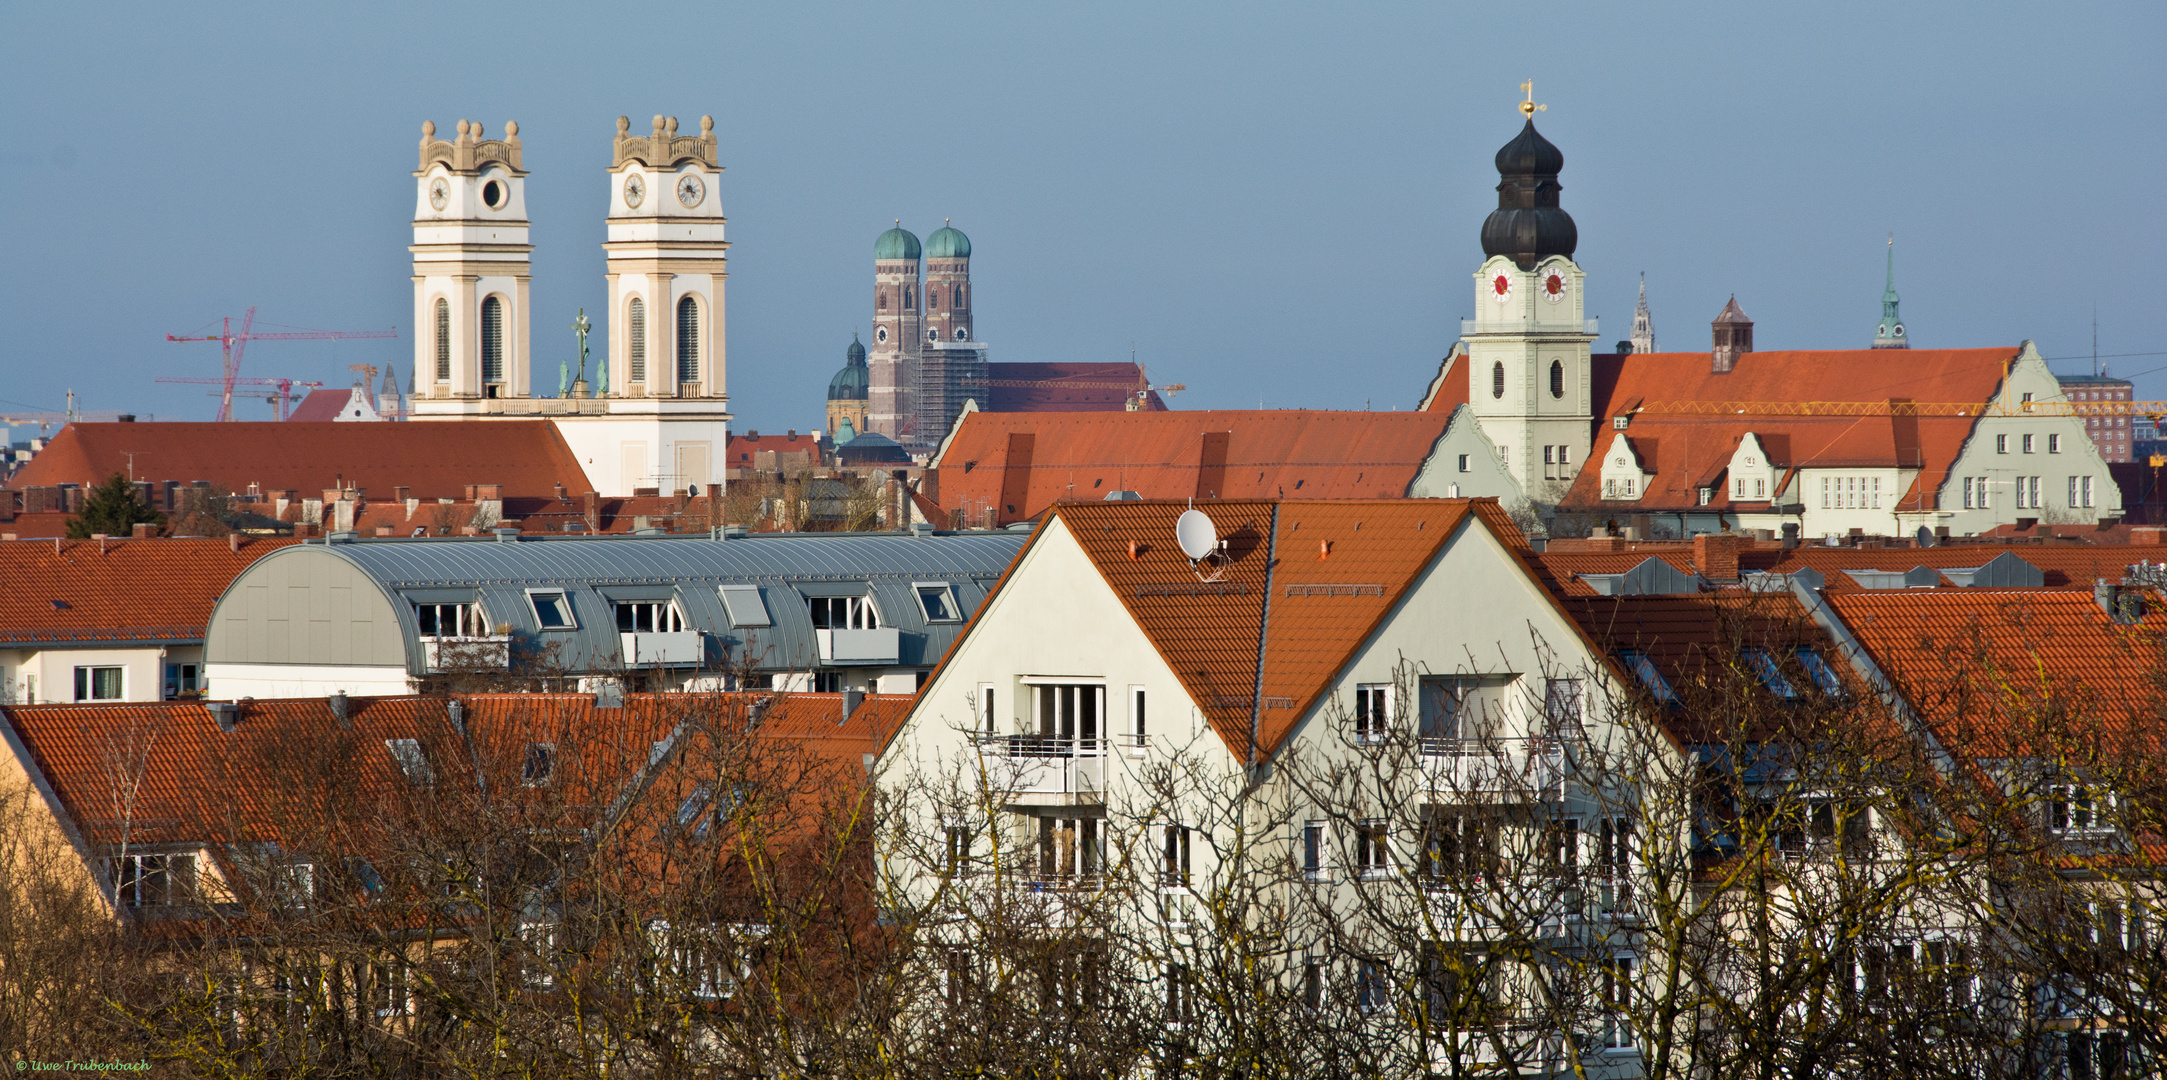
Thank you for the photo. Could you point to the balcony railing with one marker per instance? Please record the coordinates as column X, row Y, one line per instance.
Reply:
column 1524, row 766
column 882, row 646
column 1043, row 765
column 680, row 649
column 1471, row 327
column 492, row 653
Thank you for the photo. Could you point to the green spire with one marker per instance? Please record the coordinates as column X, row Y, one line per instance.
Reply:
column 1890, row 333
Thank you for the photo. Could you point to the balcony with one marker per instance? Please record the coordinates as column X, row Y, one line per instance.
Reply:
column 1494, row 768
column 882, row 646
column 1474, row 327
column 683, row 648
column 1030, row 765
column 491, row 653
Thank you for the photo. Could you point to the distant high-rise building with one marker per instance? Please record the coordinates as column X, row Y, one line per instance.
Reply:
column 2115, row 435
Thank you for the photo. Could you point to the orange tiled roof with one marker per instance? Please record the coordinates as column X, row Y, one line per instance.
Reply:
column 738, row 455
column 436, row 459
column 2064, row 566
column 117, row 590
column 1986, row 665
column 1686, row 451
column 1065, row 387
column 1019, row 464
column 165, row 773
column 1208, row 632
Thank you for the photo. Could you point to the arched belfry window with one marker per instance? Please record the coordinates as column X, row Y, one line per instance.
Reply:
column 688, row 340
column 443, row 340
column 959, row 296
column 880, row 299
column 493, row 340
column 908, row 297
column 636, row 340
column 1497, row 380
column 1557, row 379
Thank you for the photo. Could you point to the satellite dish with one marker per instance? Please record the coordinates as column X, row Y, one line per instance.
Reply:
column 1196, row 534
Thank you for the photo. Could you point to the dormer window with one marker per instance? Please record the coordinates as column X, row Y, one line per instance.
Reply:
column 2077, row 810
column 1764, row 667
column 649, row 617
column 412, row 762
column 843, row 612
column 450, row 620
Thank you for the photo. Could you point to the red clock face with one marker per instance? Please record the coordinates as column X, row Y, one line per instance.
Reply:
column 1553, row 286
column 1501, row 286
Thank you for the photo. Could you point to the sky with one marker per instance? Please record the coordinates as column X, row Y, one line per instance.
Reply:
column 1273, row 204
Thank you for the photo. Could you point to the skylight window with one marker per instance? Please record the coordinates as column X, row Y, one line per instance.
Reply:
column 1818, row 670
column 412, row 762
column 1771, row 676
column 553, row 610
column 1644, row 669
column 690, row 808
column 938, row 601
column 539, row 764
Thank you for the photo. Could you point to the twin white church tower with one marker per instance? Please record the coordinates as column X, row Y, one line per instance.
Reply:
column 651, row 410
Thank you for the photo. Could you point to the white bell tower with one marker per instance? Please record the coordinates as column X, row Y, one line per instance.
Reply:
column 1529, row 376
column 472, row 269
column 667, row 263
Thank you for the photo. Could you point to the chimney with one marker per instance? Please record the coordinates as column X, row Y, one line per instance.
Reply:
column 143, row 530
column 591, row 509
column 233, row 541
column 1715, row 555
column 401, row 493
column 487, row 492
column 1733, row 336
column 851, row 700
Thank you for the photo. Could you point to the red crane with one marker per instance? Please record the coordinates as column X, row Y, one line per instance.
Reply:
column 234, row 344
column 281, row 397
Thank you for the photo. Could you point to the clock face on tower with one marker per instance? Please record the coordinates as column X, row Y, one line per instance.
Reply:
column 635, row 190
column 1501, row 288
column 439, row 192
column 1553, row 286
column 689, row 191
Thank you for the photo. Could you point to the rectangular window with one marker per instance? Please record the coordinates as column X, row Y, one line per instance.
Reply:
column 2087, row 490
column 1070, row 713
column 2075, row 809
column 1316, row 854
column 1459, row 844
column 1645, row 670
column 986, row 714
column 1562, row 849
column 1760, row 488
column 552, row 611
column 1561, row 707
column 1174, row 867
column 2054, row 444
column 1562, row 456
column 1371, row 712
column 387, row 989
column 1967, row 493
column 1983, row 500
column 153, row 880
column 2035, row 492
column 1618, row 1003
column 745, row 605
column 1459, row 988
column 959, row 848
column 1463, row 463
column 450, row 620
column 1877, row 493
column 1178, row 995
column 1070, row 848
column 938, row 602
column 648, row 617
column 539, row 765
column 1738, row 487
column 1372, row 847
column 843, row 612
column 2074, row 498
column 2027, row 444
column 1138, row 732
column 181, row 680
column 1439, row 699
column 1614, row 863
column 1547, row 451
column 1373, row 987
column 1312, row 985
column 2001, row 444
column 98, row 683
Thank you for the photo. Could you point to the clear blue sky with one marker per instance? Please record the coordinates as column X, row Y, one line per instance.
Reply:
column 1267, row 202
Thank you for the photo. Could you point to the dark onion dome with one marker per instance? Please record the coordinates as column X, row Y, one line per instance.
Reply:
column 947, row 242
column 872, row 448
column 896, row 243
column 1527, row 225
column 854, row 382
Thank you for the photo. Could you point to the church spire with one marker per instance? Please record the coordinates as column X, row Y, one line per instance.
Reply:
column 1890, row 333
column 1643, row 327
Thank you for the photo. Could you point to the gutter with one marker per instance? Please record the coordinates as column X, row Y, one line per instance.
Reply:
column 1264, row 625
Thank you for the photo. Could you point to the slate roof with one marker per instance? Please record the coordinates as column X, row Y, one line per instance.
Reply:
column 1021, row 463
column 116, row 591
column 435, row 459
column 2065, row 566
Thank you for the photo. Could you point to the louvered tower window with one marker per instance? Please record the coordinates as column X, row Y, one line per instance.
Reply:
column 493, row 340
column 1497, row 380
column 443, row 340
column 688, row 340
column 636, row 339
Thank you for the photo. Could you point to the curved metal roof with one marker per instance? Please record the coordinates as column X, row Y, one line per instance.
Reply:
column 640, row 560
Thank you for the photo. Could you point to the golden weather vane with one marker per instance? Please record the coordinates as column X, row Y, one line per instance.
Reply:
column 1528, row 108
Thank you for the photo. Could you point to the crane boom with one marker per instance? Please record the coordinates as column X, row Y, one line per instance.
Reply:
column 1899, row 407
column 232, row 346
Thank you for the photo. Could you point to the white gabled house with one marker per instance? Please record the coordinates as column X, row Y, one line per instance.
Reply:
column 1347, row 698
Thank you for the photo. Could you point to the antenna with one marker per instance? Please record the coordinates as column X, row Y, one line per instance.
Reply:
column 1198, row 537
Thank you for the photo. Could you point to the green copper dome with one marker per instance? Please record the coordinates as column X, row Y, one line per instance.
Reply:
column 947, row 242
column 854, row 382
column 896, row 243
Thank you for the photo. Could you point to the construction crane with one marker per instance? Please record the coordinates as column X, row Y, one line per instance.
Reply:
column 1900, row 407
column 281, row 396
column 45, row 420
column 233, row 345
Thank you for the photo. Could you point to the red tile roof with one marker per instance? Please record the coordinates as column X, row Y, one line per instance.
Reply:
column 1018, row 464
column 433, row 458
column 1685, row 451
column 118, row 590
column 165, row 772
column 1037, row 388
column 739, row 453
column 1986, row 666
column 1322, row 609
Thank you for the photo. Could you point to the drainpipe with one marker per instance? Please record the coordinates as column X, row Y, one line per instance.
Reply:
column 1256, row 696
